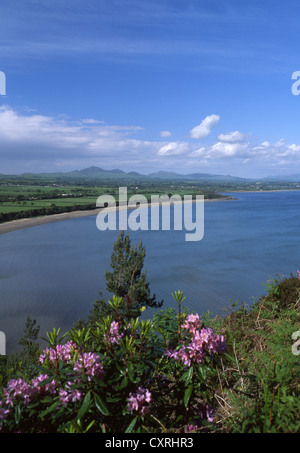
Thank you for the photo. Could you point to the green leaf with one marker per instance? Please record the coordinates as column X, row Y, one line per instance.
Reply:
column 202, row 372
column 101, row 406
column 131, row 425
column 189, row 375
column 187, row 395
column 124, row 383
column 49, row 409
column 17, row 414
column 85, row 406
column 111, row 399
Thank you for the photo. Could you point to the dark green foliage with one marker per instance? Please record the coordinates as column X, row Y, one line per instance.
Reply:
column 99, row 310
column 126, row 280
column 254, row 387
column 259, row 378
column 288, row 291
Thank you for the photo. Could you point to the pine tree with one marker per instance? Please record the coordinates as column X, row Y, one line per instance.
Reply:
column 127, row 279
column 30, row 347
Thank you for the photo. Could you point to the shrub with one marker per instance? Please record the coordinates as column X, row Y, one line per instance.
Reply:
column 121, row 376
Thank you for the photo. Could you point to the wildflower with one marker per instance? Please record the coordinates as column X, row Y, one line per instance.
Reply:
column 68, row 394
column 172, row 354
column 191, row 428
column 89, row 364
column 298, row 272
column 60, row 352
column 113, row 336
column 19, row 388
column 139, row 402
column 3, row 411
column 192, row 323
column 50, row 387
column 207, row 412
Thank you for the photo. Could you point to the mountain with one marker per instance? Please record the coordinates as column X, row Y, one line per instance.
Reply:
column 166, row 175
column 98, row 174
column 290, row 178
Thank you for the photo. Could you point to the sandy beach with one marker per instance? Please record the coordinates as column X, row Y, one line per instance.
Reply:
column 21, row 224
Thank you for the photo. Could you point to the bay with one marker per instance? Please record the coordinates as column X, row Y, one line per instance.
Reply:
column 53, row 272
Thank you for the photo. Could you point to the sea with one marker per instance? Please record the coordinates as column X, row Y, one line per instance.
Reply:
column 54, row 272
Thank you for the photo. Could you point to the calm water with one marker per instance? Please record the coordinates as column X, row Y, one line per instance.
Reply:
column 54, row 272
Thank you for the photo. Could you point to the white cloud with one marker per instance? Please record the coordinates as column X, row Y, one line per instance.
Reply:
column 173, row 149
column 294, row 147
column 205, row 127
column 165, row 134
column 222, row 149
column 232, row 137
column 198, row 152
column 34, row 142
column 37, row 139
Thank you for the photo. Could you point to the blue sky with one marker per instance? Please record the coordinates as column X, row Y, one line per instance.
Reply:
column 148, row 85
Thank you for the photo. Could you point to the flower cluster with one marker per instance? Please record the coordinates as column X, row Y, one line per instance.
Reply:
column 89, row 364
column 113, row 336
column 203, row 342
column 19, row 390
column 298, row 272
column 67, row 394
column 3, row 412
column 205, row 412
column 139, row 402
column 61, row 352
column 81, row 364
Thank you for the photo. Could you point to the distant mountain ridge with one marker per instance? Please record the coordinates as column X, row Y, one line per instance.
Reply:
column 98, row 174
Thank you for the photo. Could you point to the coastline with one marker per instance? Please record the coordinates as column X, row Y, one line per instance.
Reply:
column 20, row 224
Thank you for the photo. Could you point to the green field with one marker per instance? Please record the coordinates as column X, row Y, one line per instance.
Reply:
column 31, row 195
column 21, row 198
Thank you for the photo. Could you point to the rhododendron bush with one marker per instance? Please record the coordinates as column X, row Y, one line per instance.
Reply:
column 124, row 375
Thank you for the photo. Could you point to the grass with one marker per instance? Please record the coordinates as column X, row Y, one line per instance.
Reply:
column 19, row 199
column 258, row 389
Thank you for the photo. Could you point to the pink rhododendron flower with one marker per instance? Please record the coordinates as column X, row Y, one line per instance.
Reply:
column 203, row 342
column 3, row 412
column 67, row 394
column 61, row 352
column 49, row 388
column 113, row 336
column 139, row 402
column 89, row 364
column 192, row 323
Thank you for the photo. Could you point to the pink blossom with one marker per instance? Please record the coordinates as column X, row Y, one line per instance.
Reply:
column 60, row 352
column 139, row 402
column 191, row 428
column 207, row 412
column 89, row 364
column 19, row 388
column 50, row 387
column 202, row 343
column 3, row 412
column 67, row 394
column 113, row 336
column 192, row 323
column 172, row 353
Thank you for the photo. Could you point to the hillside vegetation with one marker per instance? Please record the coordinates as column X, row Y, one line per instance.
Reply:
column 178, row 372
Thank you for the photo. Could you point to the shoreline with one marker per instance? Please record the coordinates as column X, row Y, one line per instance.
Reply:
column 29, row 222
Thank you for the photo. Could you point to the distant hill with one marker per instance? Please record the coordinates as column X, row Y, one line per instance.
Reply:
column 195, row 177
column 291, row 178
column 97, row 173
